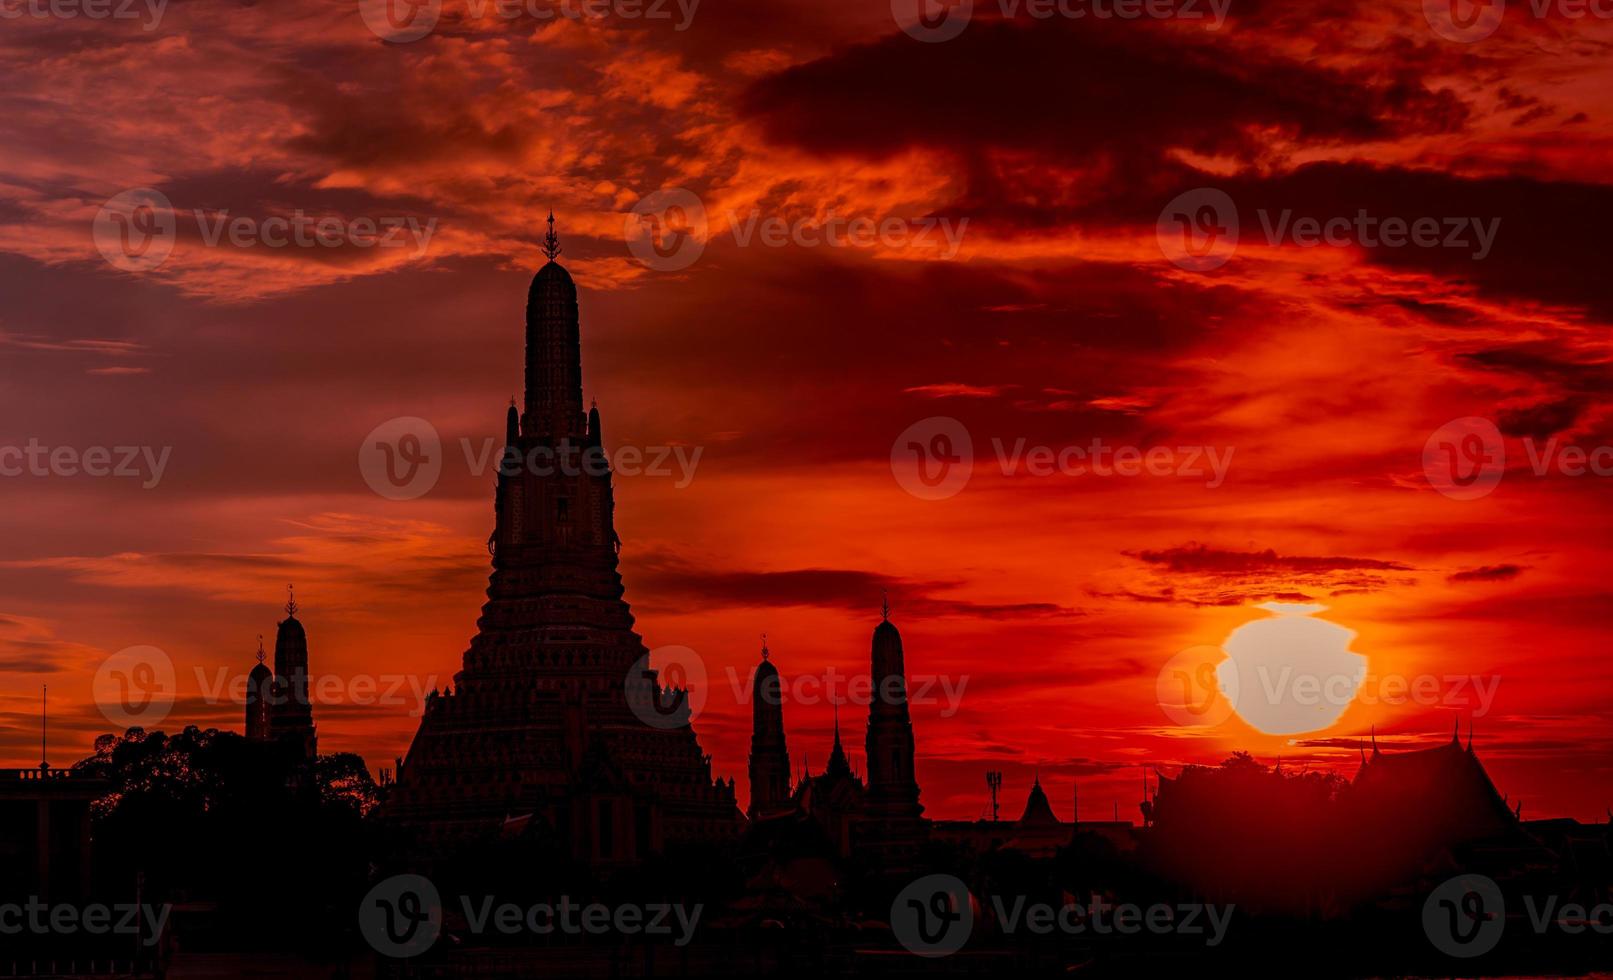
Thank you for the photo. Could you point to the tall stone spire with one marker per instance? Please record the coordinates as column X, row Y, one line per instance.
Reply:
column 292, row 714
column 769, row 757
column 895, row 828
column 259, row 699
column 553, row 353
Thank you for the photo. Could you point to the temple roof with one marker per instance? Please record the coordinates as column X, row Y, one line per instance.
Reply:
column 1037, row 809
column 1444, row 787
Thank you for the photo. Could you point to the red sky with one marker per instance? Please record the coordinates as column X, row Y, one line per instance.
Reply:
column 1056, row 600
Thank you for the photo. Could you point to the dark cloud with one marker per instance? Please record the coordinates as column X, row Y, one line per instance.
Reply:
column 1488, row 573
column 1203, row 560
column 668, row 579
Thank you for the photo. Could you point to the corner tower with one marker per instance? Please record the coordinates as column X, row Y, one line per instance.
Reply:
column 769, row 758
column 291, row 716
column 893, row 826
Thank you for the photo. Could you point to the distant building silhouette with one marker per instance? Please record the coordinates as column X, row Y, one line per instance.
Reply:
column 539, row 727
column 278, row 707
column 45, row 832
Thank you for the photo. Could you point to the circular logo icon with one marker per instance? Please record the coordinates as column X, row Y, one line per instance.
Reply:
column 401, row 916
column 1190, row 690
column 932, row 21
column 667, row 230
column 134, row 230
column 933, row 458
column 135, row 687
column 933, row 916
column 1465, row 21
column 1198, row 230
column 666, row 688
column 401, row 459
column 400, row 21
column 1465, row 916
column 1465, row 458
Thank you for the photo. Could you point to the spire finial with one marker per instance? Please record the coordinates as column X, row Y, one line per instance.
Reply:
column 885, row 605
column 1470, row 733
column 260, row 648
column 512, row 401
column 44, row 718
column 765, row 652
column 551, row 241
column 1456, row 732
column 1375, row 752
column 291, row 601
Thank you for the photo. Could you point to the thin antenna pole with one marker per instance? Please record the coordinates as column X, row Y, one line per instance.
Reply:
column 44, row 714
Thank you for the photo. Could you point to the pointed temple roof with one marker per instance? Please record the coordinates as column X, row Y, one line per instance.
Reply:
column 838, row 765
column 1444, row 789
column 1038, row 811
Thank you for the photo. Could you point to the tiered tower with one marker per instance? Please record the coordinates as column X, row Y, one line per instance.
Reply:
column 892, row 828
column 291, row 716
column 769, row 757
column 541, row 720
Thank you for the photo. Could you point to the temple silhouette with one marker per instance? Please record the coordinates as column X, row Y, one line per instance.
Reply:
column 559, row 762
column 538, row 726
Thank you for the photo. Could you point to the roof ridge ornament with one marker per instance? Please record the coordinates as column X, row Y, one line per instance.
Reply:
column 551, row 241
